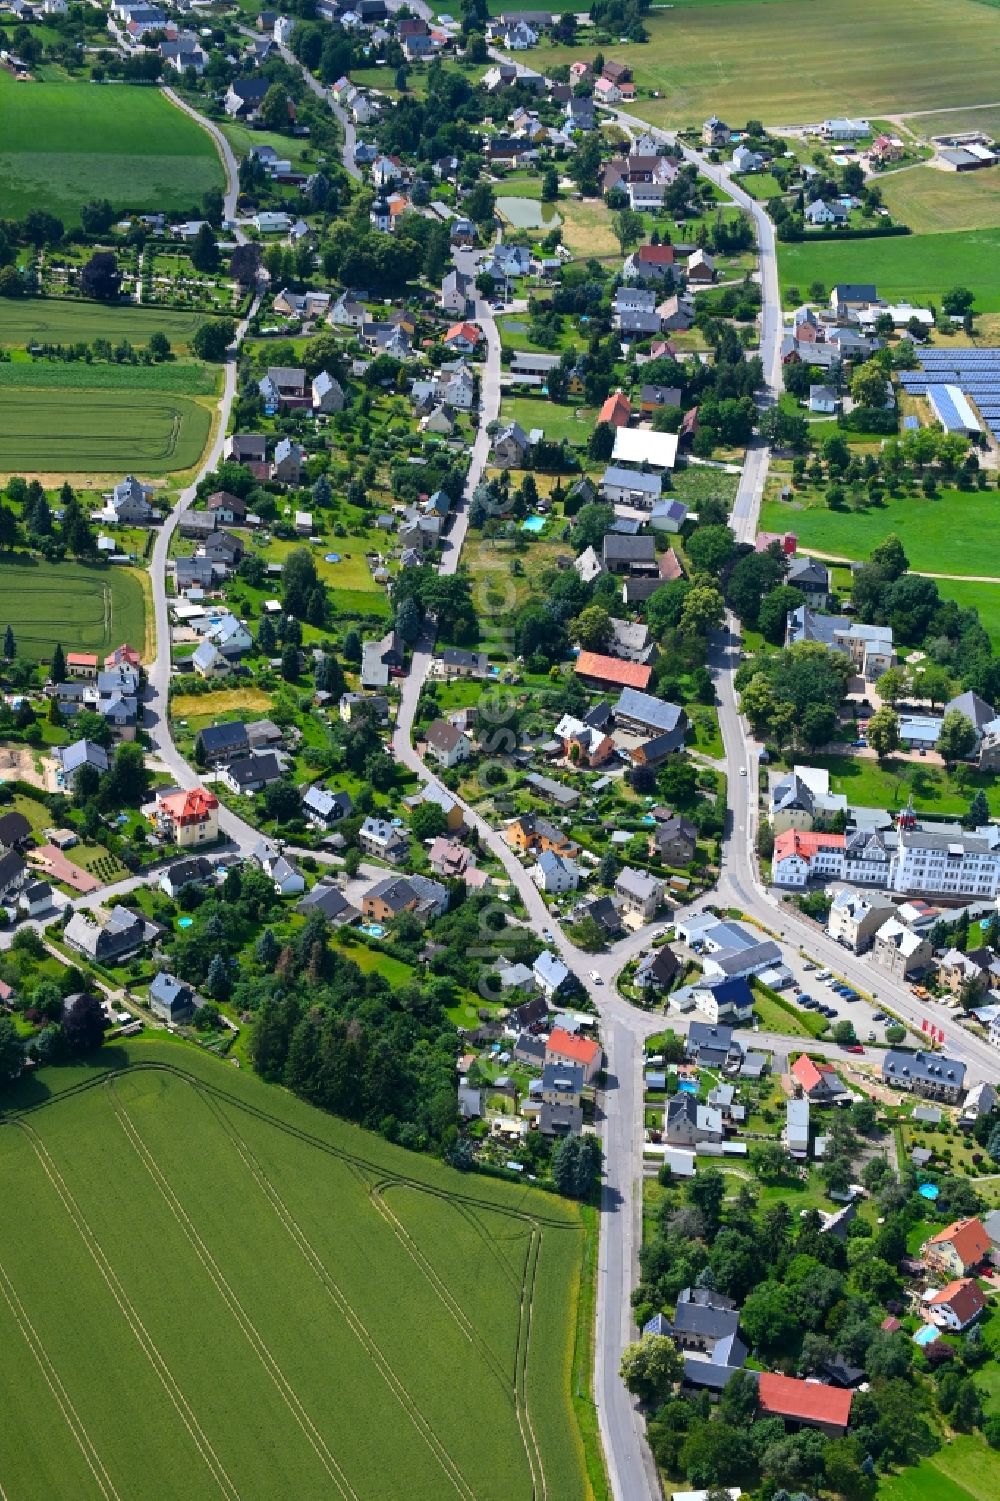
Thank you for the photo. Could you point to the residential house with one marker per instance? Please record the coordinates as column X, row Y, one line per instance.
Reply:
column 549, row 972
column 802, row 855
column 855, row 918
column 674, row 839
column 378, row 658
column 824, row 400
column 323, row 809
column 289, row 457
column 700, row 268
column 455, row 662
column 583, row 744
column 901, row 951
column 218, row 743
column 715, row 132
column 676, row 313
column 384, row 840
column 432, row 792
column 448, row 745
column 631, row 487
column 196, row 871
column 462, row 338
column 326, row 897
column 957, row 970
column 129, row 504
column 580, row 114
column 745, row 160
column 812, row 577
column 207, row 662
column 226, row 509
column 819, row 1082
column 956, row 1306
column 821, row 212
column 688, row 1123
column 13, row 875
column 565, row 1047
column 724, row 999
column 658, row 969
column 36, row 899
column 106, row 937
column 510, row 446
column 555, row 873
column 171, row 1000
column 711, row 1045
column 640, row 713
column 959, row 1250
column 616, row 411
column 639, row 893
column 248, row 774
column 327, row 393
column 804, row 1404
column 187, row 817
column 287, row 878
column 934, row 1076
column 531, row 833
column 420, row 896
column 72, row 758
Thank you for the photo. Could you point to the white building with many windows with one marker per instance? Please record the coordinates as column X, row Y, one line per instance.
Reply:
column 948, row 862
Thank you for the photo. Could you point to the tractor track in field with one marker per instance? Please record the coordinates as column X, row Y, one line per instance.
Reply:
column 53, row 1381
column 145, row 1341
column 353, row 1320
column 252, row 1334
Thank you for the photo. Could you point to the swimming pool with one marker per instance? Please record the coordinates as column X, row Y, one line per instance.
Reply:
column 333, row 557
column 185, row 922
column 373, row 929
column 928, row 1191
column 925, row 1335
column 687, row 1086
column 533, row 524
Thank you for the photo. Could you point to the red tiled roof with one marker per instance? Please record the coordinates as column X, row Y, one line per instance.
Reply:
column 82, row 658
column 969, row 1239
column 616, row 410
column 655, row 255
column 806, row 842
column 807, row 1401
column 466, row 330
column 807, row 1073
column 964, row 1297
column 593, row 664
column 185, row 807
column 577, row 1049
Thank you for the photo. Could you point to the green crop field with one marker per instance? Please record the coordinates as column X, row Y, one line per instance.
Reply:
column 74, row 431
column 912, row 268
column 797, row 61
column 256, row 1299
column 944, row 535
column 931, row 201
column 64, row 144
column 61, row 320
column 189, row 380
column 84, row 608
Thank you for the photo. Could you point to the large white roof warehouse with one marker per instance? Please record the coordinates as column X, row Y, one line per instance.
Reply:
column 640, row 445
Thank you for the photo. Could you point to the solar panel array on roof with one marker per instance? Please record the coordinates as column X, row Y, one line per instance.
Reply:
column 975, row 373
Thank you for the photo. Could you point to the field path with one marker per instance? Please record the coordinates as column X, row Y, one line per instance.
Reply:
column 222, row 146
column 956, row 578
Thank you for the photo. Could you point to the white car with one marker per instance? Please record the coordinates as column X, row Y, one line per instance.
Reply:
column 743, row 771
column 596, row 977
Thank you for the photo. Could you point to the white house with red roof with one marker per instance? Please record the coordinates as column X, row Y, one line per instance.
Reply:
column 803, row 855
column 462, row 337
column 956, row 1306
column 189, row 816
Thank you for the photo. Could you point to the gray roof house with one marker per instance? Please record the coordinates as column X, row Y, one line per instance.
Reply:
column 170, row 999
column 105, row 942
column 324, row 809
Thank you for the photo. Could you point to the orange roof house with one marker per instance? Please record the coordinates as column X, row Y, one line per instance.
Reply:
column 188, row 816
column 565, row 1047
column 617, row 410
column 466, row 333
column 611, row 672
column 957, row 1305
column 818, row 1081
column 804, row 1402
column 122, row 656
column 958, row 1248
column 655, row 255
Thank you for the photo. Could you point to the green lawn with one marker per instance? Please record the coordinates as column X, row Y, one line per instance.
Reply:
column 891, row 784
column 943, row 535
column 914, row 268
column 732, row 58
column 573, row 423
column 100, row 431
column 58, row 320
column 293, row 1271
column 761, row 185
column 930, row 201
column 83, row 608
column 965, row 1469
column 64, row 144
column 985, row 598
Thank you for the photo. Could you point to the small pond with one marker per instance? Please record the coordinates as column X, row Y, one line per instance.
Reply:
column 528, row 213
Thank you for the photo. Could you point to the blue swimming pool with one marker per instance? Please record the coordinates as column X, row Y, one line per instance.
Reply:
column 533, row 524
column 928, row 1191
column 688, row 1086
column 185, row 922
column 373, row 929
column 925, row 1335
column 333, row 557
